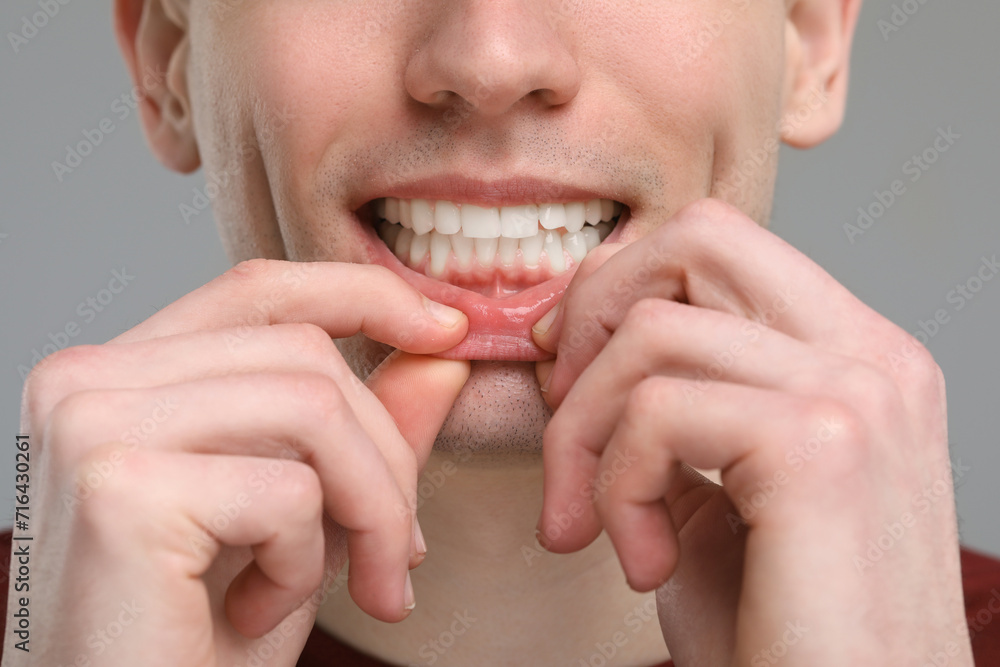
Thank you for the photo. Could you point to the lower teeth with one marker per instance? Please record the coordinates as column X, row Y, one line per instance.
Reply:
column 559, row 249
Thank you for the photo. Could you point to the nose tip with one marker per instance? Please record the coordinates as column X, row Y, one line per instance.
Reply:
column 492, row 56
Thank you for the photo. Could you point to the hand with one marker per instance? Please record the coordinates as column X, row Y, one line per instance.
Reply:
column 710, row 343
column 183, row 470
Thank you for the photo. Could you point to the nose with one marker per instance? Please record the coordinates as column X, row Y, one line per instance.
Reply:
column 492, row 54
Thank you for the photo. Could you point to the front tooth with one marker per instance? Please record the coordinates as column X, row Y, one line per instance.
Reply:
column 576, row 244
column 486, row 251
column 480, row 223
column 508, row 250
column 405, row 218
column 463, row 247
column 554, row 249
column 447, row 219
column 403, row 242
column 519, row 222
column 422, row 216
column 531, row 249
column 389, row 232
column 593, row 211
column 418, row 248
column 575, row 216
column 440, row 249
column 592, row 237
column 392, row 210
column 607, row 209
column 552, row 216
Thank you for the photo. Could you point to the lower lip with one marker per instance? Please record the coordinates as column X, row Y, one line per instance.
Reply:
column 499, row 328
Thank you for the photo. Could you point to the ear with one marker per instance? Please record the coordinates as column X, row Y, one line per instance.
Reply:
column 153, row 37
column 818, row 37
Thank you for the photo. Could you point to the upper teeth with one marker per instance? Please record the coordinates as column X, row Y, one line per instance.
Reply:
column 475, row 222
column 416, row 228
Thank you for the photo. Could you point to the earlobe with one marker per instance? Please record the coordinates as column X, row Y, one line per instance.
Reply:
column 818, row 39
column 154, row 42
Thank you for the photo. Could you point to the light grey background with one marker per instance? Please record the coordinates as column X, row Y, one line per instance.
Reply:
column 61, row 241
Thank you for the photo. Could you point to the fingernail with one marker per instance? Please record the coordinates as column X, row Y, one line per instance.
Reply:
column 543, row 369
column 543, row 541
column 418, row 537
column 409, row 601
column 446, row 316
column 543, row 325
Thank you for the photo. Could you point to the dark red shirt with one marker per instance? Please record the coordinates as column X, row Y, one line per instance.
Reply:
column 980, row 580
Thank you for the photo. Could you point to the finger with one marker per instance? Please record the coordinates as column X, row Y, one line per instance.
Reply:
column 695, row 344
column 343, row 299
column 293, row 416
column 181, row 508
column 710, row 255
column 744, row 431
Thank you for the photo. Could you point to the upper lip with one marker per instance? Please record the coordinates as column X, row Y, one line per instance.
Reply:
column 511, row 191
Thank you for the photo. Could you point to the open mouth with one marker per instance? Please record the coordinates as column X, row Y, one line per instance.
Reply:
column 495, row 251
column 504, row 266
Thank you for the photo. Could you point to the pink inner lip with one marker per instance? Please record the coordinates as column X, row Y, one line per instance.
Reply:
column 499, row 326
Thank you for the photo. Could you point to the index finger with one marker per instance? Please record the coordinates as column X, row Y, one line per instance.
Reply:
column 710, row 255
column 343, row 299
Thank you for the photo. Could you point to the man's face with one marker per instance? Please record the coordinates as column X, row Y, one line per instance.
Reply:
column 309, row 113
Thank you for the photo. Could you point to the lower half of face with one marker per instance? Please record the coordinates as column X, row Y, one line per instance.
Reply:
column 481, row 151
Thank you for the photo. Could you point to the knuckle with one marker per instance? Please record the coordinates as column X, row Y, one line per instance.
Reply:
column 56, row 376
column 841, row 432
column 319, row 397
column 650, row 399
column 113, row 481
column 301, row 493
column 309, row 338
column 251, row 271
column 876, row 391
column 714, row 210
column 71, row 422
column 646, row 315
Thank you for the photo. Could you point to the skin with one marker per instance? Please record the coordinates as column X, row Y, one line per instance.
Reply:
column 305, row 111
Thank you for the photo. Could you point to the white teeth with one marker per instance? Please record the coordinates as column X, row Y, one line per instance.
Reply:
column 392, row 210
column 552, row 216
column 463, row 247
column 404, row 214
column 422, row 215
column 480, row 223
column 486, row 251
column 403, row 242
column 440, row 249
column 508, row 250
column 607, row 208
column 531, row 249
column 447, row 219
column 419, row 247
column 554, row 250
column 575, row 216
column 416, row 228
column 519, row 222
column 576, row 245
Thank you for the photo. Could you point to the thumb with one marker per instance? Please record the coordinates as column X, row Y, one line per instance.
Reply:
column 418, row 391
